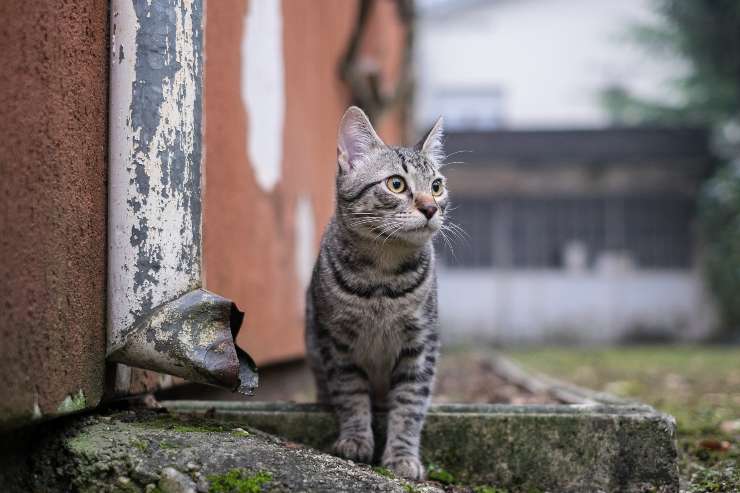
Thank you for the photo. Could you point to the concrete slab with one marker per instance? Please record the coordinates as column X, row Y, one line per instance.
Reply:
column 148, row 452
column 558, row 448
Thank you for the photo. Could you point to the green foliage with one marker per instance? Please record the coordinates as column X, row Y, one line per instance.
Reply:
column 705, row 35
column 720, row 219
column 239, row 481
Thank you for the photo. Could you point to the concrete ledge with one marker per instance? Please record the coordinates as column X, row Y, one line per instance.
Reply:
column 138, row 452
column 559, row 448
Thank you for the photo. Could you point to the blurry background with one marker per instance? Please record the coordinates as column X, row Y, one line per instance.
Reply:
column 594, row 165
column 593, row 159
column 581, row 213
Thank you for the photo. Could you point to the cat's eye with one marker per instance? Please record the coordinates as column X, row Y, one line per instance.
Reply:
column 396, row 184
column 437, row 187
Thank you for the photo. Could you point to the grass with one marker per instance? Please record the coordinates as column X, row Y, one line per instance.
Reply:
column 699, row 386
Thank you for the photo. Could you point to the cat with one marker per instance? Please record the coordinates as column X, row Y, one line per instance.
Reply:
column 371, row 308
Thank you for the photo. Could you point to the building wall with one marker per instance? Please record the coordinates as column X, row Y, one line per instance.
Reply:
column 269, row 180
column 272, row 104
column 53, row 95
column 530, row 63
column 556, row 306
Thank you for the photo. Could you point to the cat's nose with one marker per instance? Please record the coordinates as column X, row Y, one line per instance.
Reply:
column 428, row 210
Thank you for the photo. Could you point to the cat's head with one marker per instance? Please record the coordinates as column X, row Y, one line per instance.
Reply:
column 385, row 193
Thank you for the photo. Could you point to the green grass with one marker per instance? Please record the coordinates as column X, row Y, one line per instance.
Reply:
column 699, row 386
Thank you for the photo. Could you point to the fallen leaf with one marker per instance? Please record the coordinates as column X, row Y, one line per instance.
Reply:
column 718, row 445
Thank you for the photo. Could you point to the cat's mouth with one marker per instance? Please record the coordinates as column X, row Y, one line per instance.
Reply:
column 429, row 226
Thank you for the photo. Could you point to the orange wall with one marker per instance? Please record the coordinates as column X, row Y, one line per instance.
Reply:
column 249, row 232
column 54, row 99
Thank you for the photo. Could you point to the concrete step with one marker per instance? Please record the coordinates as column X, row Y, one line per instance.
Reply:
column 558, row 448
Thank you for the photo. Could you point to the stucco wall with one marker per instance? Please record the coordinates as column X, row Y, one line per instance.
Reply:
column 53, row 95
column 271, row 154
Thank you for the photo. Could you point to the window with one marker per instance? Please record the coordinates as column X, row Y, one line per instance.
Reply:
column 469, row 109
column 654, row 231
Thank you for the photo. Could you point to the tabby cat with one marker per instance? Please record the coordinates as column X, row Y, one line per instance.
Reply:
column 371, row 308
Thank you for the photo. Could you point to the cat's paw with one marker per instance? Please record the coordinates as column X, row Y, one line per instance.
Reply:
column 356, row 448
column 407, row 467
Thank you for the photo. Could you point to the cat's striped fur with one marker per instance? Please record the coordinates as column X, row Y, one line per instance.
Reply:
column 371, row 318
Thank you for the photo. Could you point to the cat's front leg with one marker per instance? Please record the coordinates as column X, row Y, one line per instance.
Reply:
column 350, row 396
column 409, row 396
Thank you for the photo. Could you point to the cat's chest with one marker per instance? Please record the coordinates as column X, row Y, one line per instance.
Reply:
column 376, row 349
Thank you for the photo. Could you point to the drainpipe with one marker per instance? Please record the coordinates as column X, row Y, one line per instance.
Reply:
column 159, row 316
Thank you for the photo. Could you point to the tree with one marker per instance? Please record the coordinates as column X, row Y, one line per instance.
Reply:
column 705, row 34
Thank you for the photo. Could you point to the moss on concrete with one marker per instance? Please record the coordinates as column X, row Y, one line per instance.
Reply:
column 181, row 424
column 72, row 403
column 437, row 473
column 239, row 481
column 496, row 448
column 108, row 454
column 383, row 471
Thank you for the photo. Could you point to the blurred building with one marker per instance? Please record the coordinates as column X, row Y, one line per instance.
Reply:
column 578, row 231
column 530, row 63
column 576, row 235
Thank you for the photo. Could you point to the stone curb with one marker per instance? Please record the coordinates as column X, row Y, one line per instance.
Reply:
column 557, row 448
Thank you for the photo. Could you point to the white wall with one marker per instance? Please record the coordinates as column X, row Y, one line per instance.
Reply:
column 549, row 58
column 550, row 305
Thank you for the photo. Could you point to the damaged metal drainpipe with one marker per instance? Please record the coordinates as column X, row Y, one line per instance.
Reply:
column 159, row 316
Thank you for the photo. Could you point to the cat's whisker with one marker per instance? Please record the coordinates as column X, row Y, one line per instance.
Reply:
column 457, row 236
column 458, row 228
column 386, row 228
column 365, row 220
column 392, row 233
column 457, row 152
column 448, row 243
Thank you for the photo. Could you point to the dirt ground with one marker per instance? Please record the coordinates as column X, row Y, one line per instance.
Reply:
column 469, row 377
column 462, row 377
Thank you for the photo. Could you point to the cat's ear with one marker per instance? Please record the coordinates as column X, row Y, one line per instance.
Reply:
column 356, row 139
column 431, row 143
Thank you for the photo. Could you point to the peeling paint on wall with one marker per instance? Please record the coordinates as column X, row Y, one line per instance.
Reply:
column 155, row 142
column 159, row 317
column 257, row 247
column 263, row 89
column 305, row 251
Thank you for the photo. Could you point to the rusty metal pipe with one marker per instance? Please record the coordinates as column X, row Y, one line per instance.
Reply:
column 159, row 316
